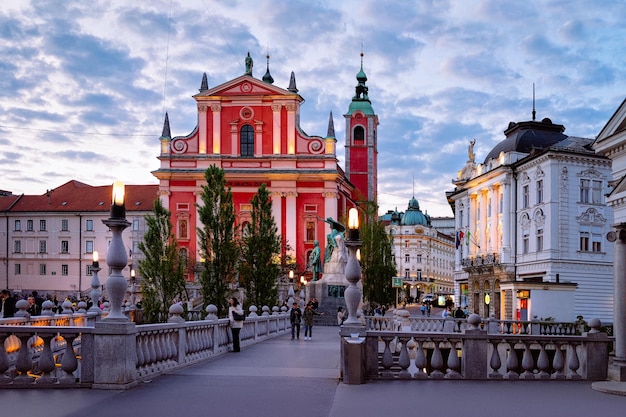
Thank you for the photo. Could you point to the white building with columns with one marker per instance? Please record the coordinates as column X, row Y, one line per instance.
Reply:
column 530, row 227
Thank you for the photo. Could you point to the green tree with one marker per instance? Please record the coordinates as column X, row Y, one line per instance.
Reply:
column 216, row 239
column 378, row 265
column 162, row 269
column 260, row 247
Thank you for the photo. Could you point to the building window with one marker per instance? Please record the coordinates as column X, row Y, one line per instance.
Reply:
column 135, row 224
column 89, row 246
column 65, row 269
column 359, row 135
column 407, row 258
column 136, row 247
column 419, row 274
column 17, row 225
column 65, row 246
column 596, row 242
column 407, row 273
column 584, row 191
column 525, row 243
column 18, row 269
column 30, row 225
column 42, row 246
column 183, row 229
column 501, row 203
column 539, row 191
column 183, row 257
column 407, row 244
column 419, row 258
column 539, row 240
column 310, row 231
column 17, row 246
column 89, row 225
column 584, row 241
column 42, row 225
column 42, row 269
column 246, row 141
column 89, row 271
column 65, row 225
column 596, row 192
column 525, row 199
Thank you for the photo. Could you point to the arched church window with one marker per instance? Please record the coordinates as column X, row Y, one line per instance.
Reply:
column 246, row 141
column 359, row 134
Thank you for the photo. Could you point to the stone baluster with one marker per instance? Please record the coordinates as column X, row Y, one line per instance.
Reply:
column 158, row 348
column 176, row 313
column 67, row 308
column 558, row 363
column 82, row 307
column 403, row 360
column 436, row 363
column 543, row 364
column 266, row 311
column 253, row 311
column 528, row 363
column 4, row 361
column 387, row 359
column 140, row 357
column 69, row 363
column 24, row 362
column 420, row 362
column 152, row 355
column 275, row 311
column 47, row 364
column 454, row 364
column 495, row 363
column 211, row 310
column 573, row 363
column 512, row 363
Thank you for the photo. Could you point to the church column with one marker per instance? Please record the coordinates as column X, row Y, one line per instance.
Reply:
column 276, row 128
column 291, row 220
column 471, row 225
column 164, row 196
column 508, row 220
column 202, row 133
column 277, row 209
column 617, row 370
column 493, row 220
column 291, row 129
column 217, row 128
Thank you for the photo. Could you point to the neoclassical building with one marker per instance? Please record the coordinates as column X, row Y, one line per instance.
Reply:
column 530, row 226
column 250, row 128
column 424, row 255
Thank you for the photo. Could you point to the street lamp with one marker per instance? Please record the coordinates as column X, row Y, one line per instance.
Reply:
column 352, row 294
column 116, row 255
column 95, row 286
column 302, row 289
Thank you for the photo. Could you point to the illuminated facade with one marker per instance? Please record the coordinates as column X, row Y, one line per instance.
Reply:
column 530, row 227
column 250, row 128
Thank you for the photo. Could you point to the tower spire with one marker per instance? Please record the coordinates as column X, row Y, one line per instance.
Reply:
column 166, row 128
column 268, row 77
column 331, row 126
column 292, row 83
column 204, row 85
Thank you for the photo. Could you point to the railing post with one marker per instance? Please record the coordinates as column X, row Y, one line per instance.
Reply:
column 115, row 353
column 475, row 350
column 597, row 354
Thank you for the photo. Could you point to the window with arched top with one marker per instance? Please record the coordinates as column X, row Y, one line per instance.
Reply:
column 359, row 134
column 246, row 141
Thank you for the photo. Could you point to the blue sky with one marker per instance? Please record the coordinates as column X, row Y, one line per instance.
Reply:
column 84, row 85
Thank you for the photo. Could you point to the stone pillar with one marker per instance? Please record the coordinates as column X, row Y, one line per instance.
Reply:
column 508, row 219
column 474, row 350
column 115, row 355
column 617, row 369
column 291, row 222
column 291, row 129
column 276, row 128
column 216, row 109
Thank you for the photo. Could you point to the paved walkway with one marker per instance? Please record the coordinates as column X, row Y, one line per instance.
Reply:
column 299, row 378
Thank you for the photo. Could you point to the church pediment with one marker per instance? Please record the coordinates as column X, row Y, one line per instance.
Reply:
column 244, row 85
column 615, row 125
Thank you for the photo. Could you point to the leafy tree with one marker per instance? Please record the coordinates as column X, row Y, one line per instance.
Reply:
column 260, row 247
column 378, row 265
column 162, row 269
column 216, row 239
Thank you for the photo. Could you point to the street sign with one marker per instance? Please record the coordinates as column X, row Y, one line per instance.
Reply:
column 396, row 282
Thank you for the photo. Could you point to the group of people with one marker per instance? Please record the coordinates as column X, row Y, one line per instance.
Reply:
column 8, row 303
column 296, row 316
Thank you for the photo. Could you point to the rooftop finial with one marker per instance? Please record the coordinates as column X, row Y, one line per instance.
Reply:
column 534, row 113
column 292, row 83
column 204, row 85
column 268, row 77
column 331, row 127
column 166, row 127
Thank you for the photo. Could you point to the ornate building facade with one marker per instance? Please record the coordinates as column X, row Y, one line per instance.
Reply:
column 424, row 255
column 251, row 129
column 530, row 222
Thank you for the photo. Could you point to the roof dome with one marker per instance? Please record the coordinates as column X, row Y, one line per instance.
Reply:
column 525, row 136
column 414, row 215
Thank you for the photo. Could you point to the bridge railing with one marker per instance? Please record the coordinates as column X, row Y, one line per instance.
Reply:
column 471, row 349
column 59, row 351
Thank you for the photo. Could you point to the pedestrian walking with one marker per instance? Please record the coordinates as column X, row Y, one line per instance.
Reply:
column 308, row 320
column 295, row 317
column 235, row 325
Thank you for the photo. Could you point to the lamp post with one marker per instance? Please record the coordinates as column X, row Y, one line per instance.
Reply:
column 116, row 255
column 290, row 291
column 95, row 286
column 302, row 290
column 352, row 294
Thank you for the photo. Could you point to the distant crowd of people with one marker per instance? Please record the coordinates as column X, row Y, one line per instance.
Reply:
column 8, row 303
